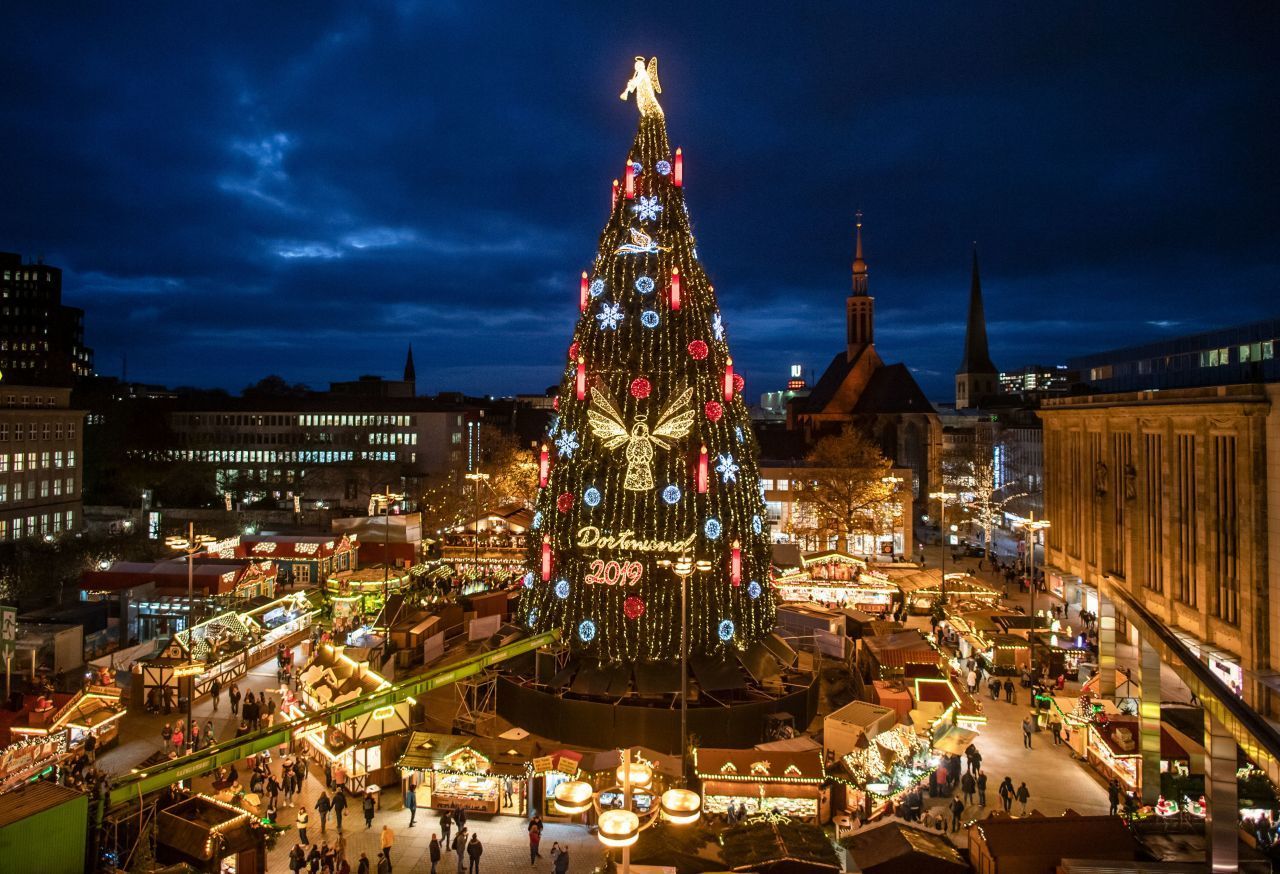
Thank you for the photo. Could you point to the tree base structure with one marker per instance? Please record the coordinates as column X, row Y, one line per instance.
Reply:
column 740, row 717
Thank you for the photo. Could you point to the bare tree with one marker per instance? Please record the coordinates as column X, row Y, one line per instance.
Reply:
column 512, row 469
column 846, row 487
column 970, row 471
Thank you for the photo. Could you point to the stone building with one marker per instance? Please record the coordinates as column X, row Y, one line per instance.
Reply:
column 41, row 441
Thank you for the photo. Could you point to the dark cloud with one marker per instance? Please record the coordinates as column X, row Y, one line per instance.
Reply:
column 236, row 189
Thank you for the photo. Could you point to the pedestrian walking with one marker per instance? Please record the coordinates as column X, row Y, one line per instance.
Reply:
column 166, row 735
column 411, row 803
column 178, row 739
column 215, row 692
column 972, row 678
column 460, row 847
column 1023, row 795
column 209, row 736
column 460, row 817
column 535, row 838
column 1113, row 795
column 367, row 804
column 957, row 808
column 297, row 858
column 1028, row 726
column 981, row 783
column 561, row 864
column 195, row 735
column 338, row 805
column 302, row 826
column 384, row 862
column 323, row 805
column 387, row 839
column 474, row 850
column 362, row 866
column 968, row 786
column 433, row 852
column 1008, row 690
column 1006, row 793
column 446, row 826
column 994, row 688
column 1055, row 726
column 234, row 697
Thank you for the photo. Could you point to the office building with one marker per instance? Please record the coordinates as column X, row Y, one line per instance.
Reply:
column 41, row 341
column 40, row 457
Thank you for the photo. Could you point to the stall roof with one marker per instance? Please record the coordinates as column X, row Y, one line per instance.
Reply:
column 902, row 648
column 862, row 714
column 715, row 675
column 33, row 798
column 1098, row 837
column 609, row 760
column 899, row 846
column 798, row 744
column 1122, row 736
column 804, row 766
column 506, row 757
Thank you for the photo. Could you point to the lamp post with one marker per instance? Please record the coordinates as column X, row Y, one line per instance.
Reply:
column 620, row 827
column 382, row 502
column 1032, row 525
column 942, row 497
column 477, row 478
column 684, row 567
column 191, row 544
column 895, row 509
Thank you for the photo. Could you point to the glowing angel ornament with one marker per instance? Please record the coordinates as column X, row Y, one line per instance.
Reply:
column 645, row 83
column 641, row 244
column 608, row 425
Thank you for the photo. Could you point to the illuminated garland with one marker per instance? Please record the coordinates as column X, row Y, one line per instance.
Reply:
column 649, row 330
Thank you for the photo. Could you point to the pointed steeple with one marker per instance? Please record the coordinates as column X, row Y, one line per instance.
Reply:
column 859, row 307
column 859, row 265
column 976, row 376
column 410, row 374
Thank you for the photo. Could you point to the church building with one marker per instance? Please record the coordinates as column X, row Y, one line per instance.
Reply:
column 859, row 388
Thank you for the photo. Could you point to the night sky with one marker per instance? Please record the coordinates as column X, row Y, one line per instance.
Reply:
column 236, row 189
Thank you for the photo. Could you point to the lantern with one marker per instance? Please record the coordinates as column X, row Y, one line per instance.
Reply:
column 544, row 466
column 702, row 470
column 735, row 564
column 582, row 378
column 629, row 184
column 675, row 288
column 678, row 173
column 546, row 559
column 582, row 293
column 728, row 380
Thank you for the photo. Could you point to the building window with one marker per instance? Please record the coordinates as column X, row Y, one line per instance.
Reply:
column 1226, row 583
column 1154, row 512
column 766, row 484
column 1185, row 588
column 784, row 485
column 1121, row 462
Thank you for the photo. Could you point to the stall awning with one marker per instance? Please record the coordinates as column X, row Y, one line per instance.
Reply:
column 717, row 676
column 955, row 741
column 747, row 789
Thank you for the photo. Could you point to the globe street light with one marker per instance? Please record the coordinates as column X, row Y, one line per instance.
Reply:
column 1032, row 526
column 191, row 544
column 684, row 567
column 382, row 501
column 942, row 497
column 620, row 827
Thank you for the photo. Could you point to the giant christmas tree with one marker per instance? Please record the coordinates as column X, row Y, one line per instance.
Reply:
column 651, row 456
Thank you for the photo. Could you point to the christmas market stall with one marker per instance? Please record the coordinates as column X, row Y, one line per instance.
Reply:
column 1113, row 747
column 95, row 710
column 1065, row 654
column 847, row 729
column 922, row 588
column 774, row 781
column 366, row 746
column 357, row 595
column 885, row 766
column 212, row 836
column 839, row 580
column 484, row 775
column 902, row 654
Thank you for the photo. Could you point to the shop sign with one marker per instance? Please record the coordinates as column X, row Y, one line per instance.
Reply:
column 542, row 764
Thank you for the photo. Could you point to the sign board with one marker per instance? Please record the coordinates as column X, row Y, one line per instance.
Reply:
column 8, row 631
column 542, row 764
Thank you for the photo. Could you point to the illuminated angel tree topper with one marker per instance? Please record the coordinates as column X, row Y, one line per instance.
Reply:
column 664, row 459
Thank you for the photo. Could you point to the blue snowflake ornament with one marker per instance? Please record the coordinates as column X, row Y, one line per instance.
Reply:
column 609, row 316
column 647, row 208
column 663, row 168
column 757, row 525
column 644, row 285
column 671, row 494
column 712, row 529
column 587, row 631
column 717, row 327
column 726, row 630
column 591, row 497
column 649, row 319
column 561, row 589
column 597, row 287
column 727, row 468
column 637, row 168
column 533, row 617
column 753, row 590
column 528, row 580
column 537, row 521
column 737, row 432
column 567, row 444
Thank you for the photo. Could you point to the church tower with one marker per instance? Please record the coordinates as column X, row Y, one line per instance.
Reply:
column 977, row 377
column 410, row 374
column 859, row 308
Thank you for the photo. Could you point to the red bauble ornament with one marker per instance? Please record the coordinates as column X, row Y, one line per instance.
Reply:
column 573, row 351
column 738, row 383
column 713, row 410
column 633, row 607
column 698, row 350
column 564, row 502
column 640, row 387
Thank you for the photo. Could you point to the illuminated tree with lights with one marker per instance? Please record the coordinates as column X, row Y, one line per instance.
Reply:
column 651, row 455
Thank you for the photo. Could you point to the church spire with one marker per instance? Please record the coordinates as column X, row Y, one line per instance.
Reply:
column 410, row 374
column 976, row 376
column 859, row 265
column 859, row 307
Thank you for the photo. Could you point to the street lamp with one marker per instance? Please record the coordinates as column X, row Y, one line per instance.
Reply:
column 942, row 497
column 1032, row 526
column 477, row 478
column 382, row 502
column 620, row 827
column 191, row 544
column 895, row 509
column 684, row 567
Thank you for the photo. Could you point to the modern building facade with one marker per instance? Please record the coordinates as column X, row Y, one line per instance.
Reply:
column 40, row 457
column 41, row 341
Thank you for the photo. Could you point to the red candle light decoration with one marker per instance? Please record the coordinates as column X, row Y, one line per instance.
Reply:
column 702, row 470
column 546, row 559
column 678, row 172
column 629, row 185
column 582, row 378
column 735, row 564
column 675, row 289
column 544, row 466
column 728, row 380
column 582, row 293
column 614, row 202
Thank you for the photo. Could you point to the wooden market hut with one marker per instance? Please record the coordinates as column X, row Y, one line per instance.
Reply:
column 790, row 782
column 205, row 833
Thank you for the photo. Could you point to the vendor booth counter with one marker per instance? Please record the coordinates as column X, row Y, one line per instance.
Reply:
column 790, row 783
